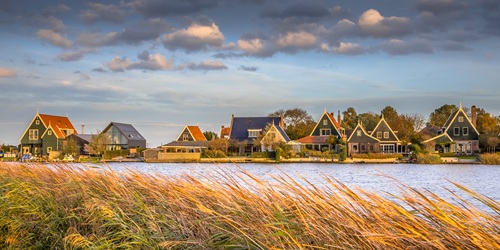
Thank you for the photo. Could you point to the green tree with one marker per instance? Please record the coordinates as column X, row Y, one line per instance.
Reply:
column 221, row 144
column 390, row 115
column 69, row 147
column 440, row 115
column 369, row 120
column 210, row 135
column 350, row 118
column 489, row 130
column 98, row 143
column 298, row 123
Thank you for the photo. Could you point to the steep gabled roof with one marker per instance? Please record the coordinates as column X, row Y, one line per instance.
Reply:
column 311, row 139
column 336, row 125
column 127, row 130
column 364, row 132
column 58, row 123
column 241, row 125
column 382, row 125
column 454, row 116
column 195, row 132
column 224, row 131
column 282, row 133
column 442, row 136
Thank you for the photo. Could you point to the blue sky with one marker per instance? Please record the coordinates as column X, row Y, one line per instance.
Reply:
column 162, row 65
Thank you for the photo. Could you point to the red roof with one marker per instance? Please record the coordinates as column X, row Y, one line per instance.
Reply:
column 225, row 132
column 335, row 123
column 196, row 133
column 58, row 124
column 313, row 139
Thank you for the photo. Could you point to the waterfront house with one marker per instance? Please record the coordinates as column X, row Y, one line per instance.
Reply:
column 123, row 136
column 388, row 140
column 246, row 130
column 361, row 142
column 45, row 134
column 274, row 135
column 325, row 127
column 190, row 140
column 81, row 140
column 458, row 135
column 224, row 132
column 191, row 133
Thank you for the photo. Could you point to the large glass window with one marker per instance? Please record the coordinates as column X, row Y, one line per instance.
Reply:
column 33, row 134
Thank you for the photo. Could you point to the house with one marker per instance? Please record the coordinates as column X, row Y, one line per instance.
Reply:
column 45, row 134
column 388, row 140
column 224, row 132
column 326, row 127
column 123, row 136
column 191, row 133
column 81, row 140
column 274, row 135
column 458, row 135
column 361, row 142
column 190, row 140
column 246, row 130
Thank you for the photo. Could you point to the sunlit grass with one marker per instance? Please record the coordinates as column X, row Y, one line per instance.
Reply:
column 59, row 206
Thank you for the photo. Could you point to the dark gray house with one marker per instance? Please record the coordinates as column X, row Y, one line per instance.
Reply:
column 123, row 136
column 80, row 140
column 246, row 130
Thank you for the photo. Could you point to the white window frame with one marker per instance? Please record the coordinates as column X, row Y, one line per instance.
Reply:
column 33, row 134
column 460, row 119
column 49, row 132
column 386, row 135
column 355, row 148
column 49, row 149
column 37, row 122
column 456, row 131
column 358, row 132
column 325, row 131
column 465, row 131
column 253, row 133
column 325, row 122
column 379, row 135
column 185, row 137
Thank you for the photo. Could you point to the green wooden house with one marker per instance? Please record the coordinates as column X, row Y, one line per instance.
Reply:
column 389, row 141
column 361, row 142
column 45, row 134
column 325, row 127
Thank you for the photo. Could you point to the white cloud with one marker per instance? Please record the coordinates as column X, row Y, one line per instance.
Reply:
column 300, row 39
column 5, row 72
column 72, row 56
column 54, row 38
column 251, row 46
column 146, row 62
column 118, row 64
column 349, row 49
column 196, row 37
column 372, row 23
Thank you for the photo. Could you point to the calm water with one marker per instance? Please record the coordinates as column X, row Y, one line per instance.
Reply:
column 436, row 178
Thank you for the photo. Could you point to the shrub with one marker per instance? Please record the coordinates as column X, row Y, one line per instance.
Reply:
column 278, row 154
column 214, row 154
column 490, row 159
column 451, row 154
column 264, row 154
column 343, row 153
column 377, row 156
column 428, row 159
column 415, row 148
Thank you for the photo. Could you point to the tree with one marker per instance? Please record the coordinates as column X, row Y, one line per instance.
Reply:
column 298, row 123
column 69, row 147
column 221, row 144
column 489, row 130
column 210, row 135
column 350, row 118
column 369, row 120
column 390, row 115
column 98, row 143
column 441, row 114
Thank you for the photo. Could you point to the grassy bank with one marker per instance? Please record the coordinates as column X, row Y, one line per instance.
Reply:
column 57, row 206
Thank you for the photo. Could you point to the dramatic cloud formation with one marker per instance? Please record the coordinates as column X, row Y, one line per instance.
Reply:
column 372, row 23
column 4, row 72
column 54, row 38
column 197, row 37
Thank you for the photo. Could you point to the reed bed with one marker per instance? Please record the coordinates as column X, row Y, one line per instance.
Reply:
column 65, row 207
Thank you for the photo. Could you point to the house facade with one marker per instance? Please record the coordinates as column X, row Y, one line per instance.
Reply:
column 388, row 140
column 123, row 136
column 325, row 127
column 246, row 130
column 361, row 142
column 80, row 140
column 273, row 136
column 458, row 135
column 191, row 133
column 45, row 134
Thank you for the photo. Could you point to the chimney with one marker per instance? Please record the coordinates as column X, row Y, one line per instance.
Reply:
column 338, row 117
column 83, row 126
column 473, row 115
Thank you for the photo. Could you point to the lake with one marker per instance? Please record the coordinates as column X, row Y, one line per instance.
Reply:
column 484, row 179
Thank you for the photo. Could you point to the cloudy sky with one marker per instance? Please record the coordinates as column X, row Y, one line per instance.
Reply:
column 164, row 64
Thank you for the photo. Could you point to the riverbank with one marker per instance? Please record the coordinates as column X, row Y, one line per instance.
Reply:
column 58, row 206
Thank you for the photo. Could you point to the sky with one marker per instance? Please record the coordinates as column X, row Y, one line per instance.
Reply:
column 163, row 64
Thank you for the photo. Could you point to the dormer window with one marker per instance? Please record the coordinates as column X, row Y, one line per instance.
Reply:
column 253, row 133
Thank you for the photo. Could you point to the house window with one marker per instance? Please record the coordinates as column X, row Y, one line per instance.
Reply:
column 49, row 149
column 386, row 135
column 460, row 119
column 358, row 132
column 379, row 135
column 37, row 122
column 325, row 122
column 465, row 131
column 363, row 149
column 33, row 134
column 185, row 137
column 456, row 131
column 325, row 131
column 253, row 133
column 49, row 132
column 354, row 148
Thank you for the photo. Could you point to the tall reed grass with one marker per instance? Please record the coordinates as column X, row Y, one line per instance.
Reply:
column 59, row 206
column 490, row 158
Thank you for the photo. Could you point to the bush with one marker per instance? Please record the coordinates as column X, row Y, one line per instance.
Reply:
column 278, row 154
column 265, row 154
column 428, row 159
column 343, row 153
column 110, row 154
column 490, row 159
column 415, row 148
column 214, row 154
column 451, row 154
